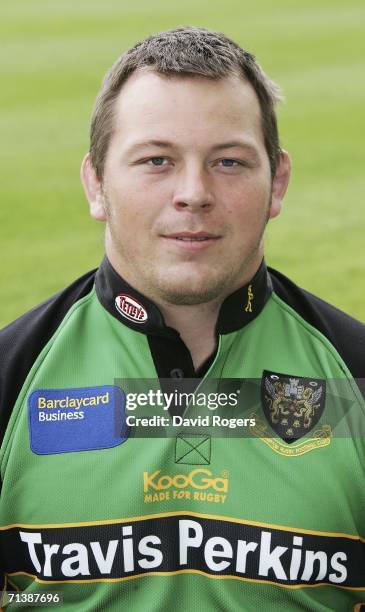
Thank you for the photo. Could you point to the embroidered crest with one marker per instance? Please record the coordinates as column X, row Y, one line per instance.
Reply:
column 292, row 405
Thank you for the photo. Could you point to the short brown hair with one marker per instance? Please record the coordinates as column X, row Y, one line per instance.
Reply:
column 185, row 51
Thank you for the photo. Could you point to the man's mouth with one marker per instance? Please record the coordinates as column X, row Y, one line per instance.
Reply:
column 192, row 236
column 192, row 241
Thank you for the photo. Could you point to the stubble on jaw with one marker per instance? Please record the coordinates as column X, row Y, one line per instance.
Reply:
column 162, row 288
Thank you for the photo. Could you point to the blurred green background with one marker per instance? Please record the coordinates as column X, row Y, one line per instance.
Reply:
column 53, row 56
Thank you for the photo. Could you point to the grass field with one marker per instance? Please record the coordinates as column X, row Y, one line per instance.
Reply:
column 53, row 57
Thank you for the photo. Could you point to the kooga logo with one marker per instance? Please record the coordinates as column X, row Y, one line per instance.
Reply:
column 129, row 308
column 200, row 478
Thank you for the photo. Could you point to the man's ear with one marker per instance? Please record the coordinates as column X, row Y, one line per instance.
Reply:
column 280, row 183
column 93, row 189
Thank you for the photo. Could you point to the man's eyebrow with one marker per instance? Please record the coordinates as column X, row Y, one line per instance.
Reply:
column 148, row 143
column 234, row 144
column 164, row 144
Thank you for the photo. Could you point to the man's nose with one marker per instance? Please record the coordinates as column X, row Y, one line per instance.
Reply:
column 193, row 190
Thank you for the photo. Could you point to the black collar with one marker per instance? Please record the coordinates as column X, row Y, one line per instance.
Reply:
column 141, row 314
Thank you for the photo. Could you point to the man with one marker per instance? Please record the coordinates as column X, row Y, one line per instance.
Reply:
column 185, row 169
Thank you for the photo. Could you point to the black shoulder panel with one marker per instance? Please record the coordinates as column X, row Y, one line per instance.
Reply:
column 345, row 333
column 22, row 341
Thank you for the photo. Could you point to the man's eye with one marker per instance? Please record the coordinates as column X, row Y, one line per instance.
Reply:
column 229, row 163
column 156, row 161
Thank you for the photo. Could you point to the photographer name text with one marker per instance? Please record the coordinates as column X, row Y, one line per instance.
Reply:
column 179, row 421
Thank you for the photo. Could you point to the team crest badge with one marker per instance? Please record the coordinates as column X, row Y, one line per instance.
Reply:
column 292, row 405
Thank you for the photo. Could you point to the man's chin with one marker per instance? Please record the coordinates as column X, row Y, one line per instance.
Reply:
column 186, row 294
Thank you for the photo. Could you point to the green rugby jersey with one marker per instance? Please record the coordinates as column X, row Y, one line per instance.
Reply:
column 265, row 507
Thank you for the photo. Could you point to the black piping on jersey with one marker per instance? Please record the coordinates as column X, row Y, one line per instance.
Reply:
column 345, row 333
column 22, row 341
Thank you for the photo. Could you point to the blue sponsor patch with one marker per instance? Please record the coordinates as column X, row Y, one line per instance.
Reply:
column 68, row 420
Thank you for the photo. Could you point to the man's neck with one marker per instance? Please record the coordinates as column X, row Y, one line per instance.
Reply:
column 196, row 323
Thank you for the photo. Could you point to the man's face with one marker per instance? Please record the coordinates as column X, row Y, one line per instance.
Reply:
column 187, row 189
